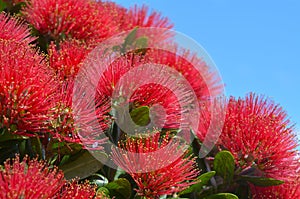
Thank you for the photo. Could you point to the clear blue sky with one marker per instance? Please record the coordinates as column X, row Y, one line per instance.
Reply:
column 255, row 44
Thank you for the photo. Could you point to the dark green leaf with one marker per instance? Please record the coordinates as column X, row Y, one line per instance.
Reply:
column 120, row 188
column 37, row 146
column 64, row 159
column 222, row 196
column 2, row 5
column 261, row 181
column 141, row 115
column 203, row 180
column 84, row 165
column 224, row 165
column 64, row 148
column 7, row 136
column 243, row 191
column 177, row 198
column 8, row 150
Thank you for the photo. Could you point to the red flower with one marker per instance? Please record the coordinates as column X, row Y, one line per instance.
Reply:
column 66, row 58
column 288, row 190
column 115, row 12
column 138, row 17
column 158, row 167
column 26, row 89
column 65, row 127
column 141, row 18
column 158, row 27
column 258, row 134
column 13, row 29
column 79, row 191
column 29, row 179
column 33, row 179
column 78, row 19
column 164, row 90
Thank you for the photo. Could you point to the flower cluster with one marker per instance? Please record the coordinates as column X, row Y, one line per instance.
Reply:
column 90, row 75
column 174, row 169
column 34, row 179
column 26, row 85
column 260, row 137
column 257, row 132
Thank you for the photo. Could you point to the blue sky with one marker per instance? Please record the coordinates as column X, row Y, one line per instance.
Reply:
column 255, row 44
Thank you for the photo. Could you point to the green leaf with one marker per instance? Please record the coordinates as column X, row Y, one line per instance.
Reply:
column 8, row 150
column 120, row 188
column 141, row 115
column 224, row 165
column 222, row 196
column 7, row 136
column 37, row 146
column 2, row 5
column 119, row 172
column 116, row 48
column 178, row 198
column 203, row 180
column 84, row 165
column 64, row 148
column 98, row 180
column 130, row 38
column 243, row 191
column 261, row 181
column 103, row 191
column 141, row 42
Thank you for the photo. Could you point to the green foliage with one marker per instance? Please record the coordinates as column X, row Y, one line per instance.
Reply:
column 64, row 148
column 120, row 188
column 83, row 166
column 2, row 5
column 202, row 181
column 141, row 115
column 224, row 165
column 243, row 191
column 103, row 191
column 6, row 136
column 130, row 38
column 98, row 180
column 132, row 42
column 222, row 196
column 261, row 181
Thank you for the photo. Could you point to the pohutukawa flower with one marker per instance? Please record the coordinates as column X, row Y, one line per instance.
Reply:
column 66, row 58
column 140, row 17
column 288, row 190
column 115, row 12
column 29, row 179
column 63, row 125
column 13, row 29
column 76, row 190
column 169, row 169
column 26, row 89
column 185, row 64
column 77, row 19
column 259, row 135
